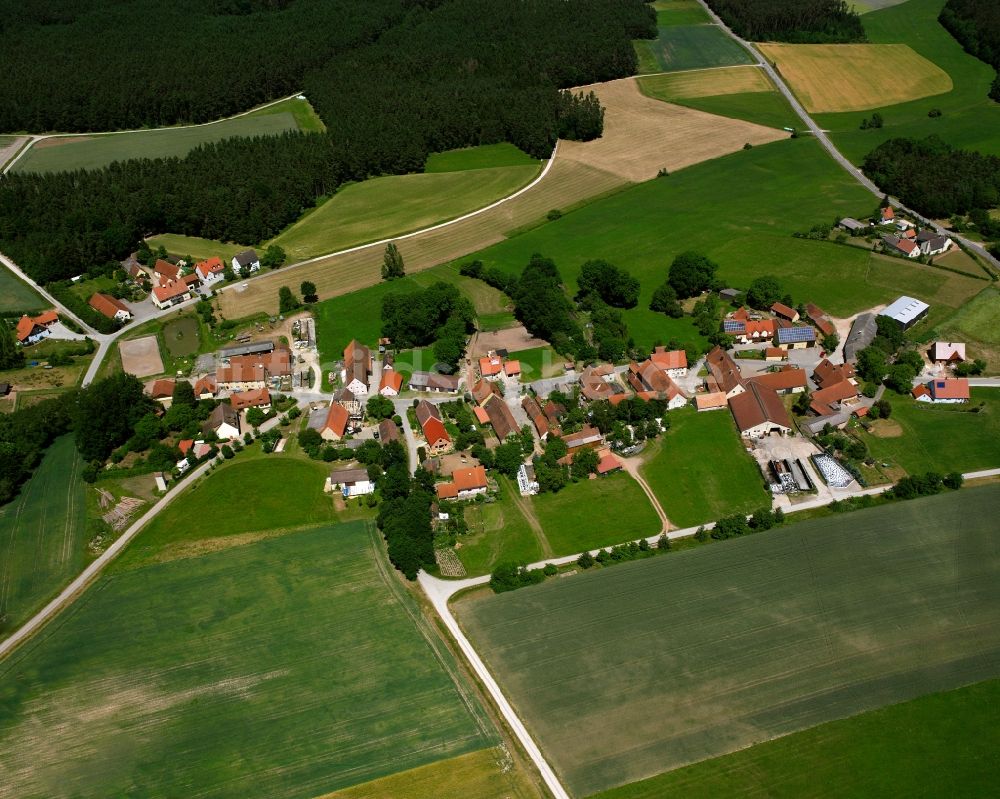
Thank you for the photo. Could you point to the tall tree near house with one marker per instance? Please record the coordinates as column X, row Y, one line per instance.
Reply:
column 10, row 356
column 183, row 394
column 392, row 262
column 308, row 289
column 106, row 413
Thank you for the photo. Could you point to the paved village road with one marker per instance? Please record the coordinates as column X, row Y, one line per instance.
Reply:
column 823, row 139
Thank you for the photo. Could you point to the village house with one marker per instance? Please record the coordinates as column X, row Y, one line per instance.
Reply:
column 723, row 373
column 905, row 247
column 205, row 387
column 947, row 390
column 357, row 368
column 483, row 390
column 254, row 398
column 947, row 353
column 786, row 380
column 607, row 463
column 712, row 401
column 432, row 426
column 211, row 270
column 165, row 273
column 512, row 368
column 465, row 484
column 162, row 391
column 782, row 310
column 110, row 306
column 759, row 412
column 32, row 329
column 827, row 373
column 351, row 482
column 888, row 216
column 835, row 397
column 246, row 261
column 673, row 362
column 852, row 225
column 223, row 421
column 775, row 354
column 491, row 366
column 392, row 383
column 598, row 382
column 820, row 319
column 536, row 415
column 796, row 338
column 388, row 431
column 649, row 381
column 170, row 295
column 246, row 372
column 500, row 417
column 355, row 407
column 335, row 426
column 586, row 438
column 932, row 243
column 433, row 381
column 747, row 331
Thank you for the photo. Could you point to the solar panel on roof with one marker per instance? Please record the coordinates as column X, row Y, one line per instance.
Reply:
column 793, row 334
column 733, row 326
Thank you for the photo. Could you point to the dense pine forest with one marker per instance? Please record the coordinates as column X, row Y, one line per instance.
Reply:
column 976, row 26
column 449, row 73
column 823, row 21
column 933, row 177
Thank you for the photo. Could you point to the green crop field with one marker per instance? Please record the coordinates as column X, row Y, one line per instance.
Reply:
column 485, row 156
column 92, row 152
column 595, row 513
column 397, row 204
column 679, row 12
column 627, row 672
column 42, row 535
column 720, row 208
column 680, row 47
column 939, row 745
column 764, row 108
column 975, row 323
column 969, row 118
column 291, row 666
column 16, row 295
column 923, row 437
column 700, row 472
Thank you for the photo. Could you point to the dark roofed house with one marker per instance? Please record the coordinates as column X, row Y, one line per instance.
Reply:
column 589, row 437
column 759, row 412
column 535, row 414
column 434, row 381
column 427, row 410
column 357, row 367
column 786, row 380
column 501, row 418
column 224, row 421
column 862, row 334
column 387, row 431
column 819, row 318
column 852, row 225
column 246, row 261
column 724, row 373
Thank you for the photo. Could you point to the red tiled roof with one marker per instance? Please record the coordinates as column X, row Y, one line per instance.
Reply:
column 213, row 266
column 391, row 379
column 674, row 359
column 184, row 445
column 166, row 271
column 164, row 293
column 46, row 318
column 469, row 479
column 511, row 368
column 950, row 388
column 490, row 365
column 822, row 401
column 920, row 391
column 761, row 327
column 888, row 213
column 608, row 463
column 25, row 326
column 250, row 399
column 481, row 415
column 446, row 490
column 786, row 378
column 434, row 431
column 161, row 389
column 776, row 352
column 783, row 310
column 107, row 305
column 715, row 399
column 724, row 369
column 205, row 385
column 827, row 373
column 757, row 405
column 336, row 419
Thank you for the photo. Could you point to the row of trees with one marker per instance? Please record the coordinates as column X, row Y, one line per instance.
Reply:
column 976, row 26
column 933, row 177
column 824, row 21
column 452, row 73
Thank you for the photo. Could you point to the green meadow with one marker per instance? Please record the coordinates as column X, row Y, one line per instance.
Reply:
column 679, row 47
column 968, row 118
column 16, row 295
column 42, row 535
column 699, row 470
column 741, row 210
column 485, row 156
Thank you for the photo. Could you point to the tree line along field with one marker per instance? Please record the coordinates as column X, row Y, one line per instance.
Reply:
column 969, row 119
column 683, row 470
column 42, row 535
column 290, row 665
column 738, row 92
column 66, row 153
column 938, row 745
column 922, row 437
column 741, row 210
column 625, row 673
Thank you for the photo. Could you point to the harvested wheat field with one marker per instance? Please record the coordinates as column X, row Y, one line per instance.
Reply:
column 856, row 77
column 706, row 83
column 641, row 136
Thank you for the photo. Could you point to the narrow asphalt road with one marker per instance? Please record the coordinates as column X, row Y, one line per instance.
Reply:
column 823, row 139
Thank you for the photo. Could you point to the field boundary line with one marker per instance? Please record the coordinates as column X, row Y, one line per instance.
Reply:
column 35, row 138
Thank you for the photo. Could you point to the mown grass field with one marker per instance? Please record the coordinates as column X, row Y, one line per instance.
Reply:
column 736, row 92
column 842, row 77
column 939, row 745
column 700, row 472
column 679, row 12
column 58, row 154
column 198, row 248
column 975, row 323
column 396, row 204
column 538, row 362
column 678, row 47
column 628, row 672
column 292, row 666
column 923, row 437
column 485, row 156
column 969, row 118
column 16, row 295
column 741, row 210
column 595, row 513
column 42, row 535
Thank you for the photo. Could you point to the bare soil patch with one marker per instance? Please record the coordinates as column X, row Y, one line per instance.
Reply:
column 643, row 135
column 141, row 356
column 511, row 339
column 886, row 428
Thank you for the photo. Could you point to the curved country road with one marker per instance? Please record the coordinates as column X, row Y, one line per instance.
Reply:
column 837, row 156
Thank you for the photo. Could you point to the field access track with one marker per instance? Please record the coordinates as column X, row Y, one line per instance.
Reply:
column 642, row 135
column 624, row 673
